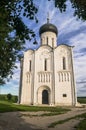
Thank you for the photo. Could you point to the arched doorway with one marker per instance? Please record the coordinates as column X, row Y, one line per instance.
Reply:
column 45, row 98
column 43, row 95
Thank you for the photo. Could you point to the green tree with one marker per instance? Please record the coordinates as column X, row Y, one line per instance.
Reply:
column 9, row 96
column 79, row 7
column 14, row 32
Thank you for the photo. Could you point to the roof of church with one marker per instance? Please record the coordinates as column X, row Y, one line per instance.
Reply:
column 48, row 27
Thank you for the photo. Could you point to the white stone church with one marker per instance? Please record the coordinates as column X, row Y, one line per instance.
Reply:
column 47, row 74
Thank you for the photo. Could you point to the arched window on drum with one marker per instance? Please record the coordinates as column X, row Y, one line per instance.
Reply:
column 52, row 42
column 64, row 63
column 47, row 40
column 30, row 65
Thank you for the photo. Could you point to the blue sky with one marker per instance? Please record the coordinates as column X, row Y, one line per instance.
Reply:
column 70, row 31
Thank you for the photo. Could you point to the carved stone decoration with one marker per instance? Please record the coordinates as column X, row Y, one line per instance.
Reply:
column 28, row 77
column 45, row 54
column 64, row 76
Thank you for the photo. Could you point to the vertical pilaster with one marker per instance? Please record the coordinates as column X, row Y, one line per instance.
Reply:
column 53, row 79
column 74, row 97
column 32, row 80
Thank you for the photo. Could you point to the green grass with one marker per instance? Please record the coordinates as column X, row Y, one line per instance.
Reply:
column 81, row 99
column 9, row 107
column 82, row 123
column 44, row 114
column 52, row 125
column 53, row 113
column 6, row 106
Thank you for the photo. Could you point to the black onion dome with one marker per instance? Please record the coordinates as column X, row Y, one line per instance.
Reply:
column 48, row 27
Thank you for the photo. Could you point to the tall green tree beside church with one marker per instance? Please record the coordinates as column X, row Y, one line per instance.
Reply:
column 14, row 32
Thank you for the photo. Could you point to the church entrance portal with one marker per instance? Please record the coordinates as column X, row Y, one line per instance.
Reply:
column 45, row 97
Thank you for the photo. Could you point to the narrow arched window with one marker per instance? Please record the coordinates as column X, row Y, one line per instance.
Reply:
column 45, row 65
column 47, row 40
column 52, row 42
column 64, row 63
column 30, row 65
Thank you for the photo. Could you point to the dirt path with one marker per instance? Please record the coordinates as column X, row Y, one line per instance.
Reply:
column 18, row 120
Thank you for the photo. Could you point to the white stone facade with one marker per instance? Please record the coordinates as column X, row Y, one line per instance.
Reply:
column 47, row 74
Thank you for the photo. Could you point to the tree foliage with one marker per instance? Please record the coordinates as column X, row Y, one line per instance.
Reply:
column 14, row 32
column 79, row 7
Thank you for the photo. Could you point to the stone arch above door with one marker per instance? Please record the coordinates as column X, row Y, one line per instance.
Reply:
column 40, row 94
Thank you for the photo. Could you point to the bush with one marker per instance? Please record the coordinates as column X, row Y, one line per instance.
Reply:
column 9, row 96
